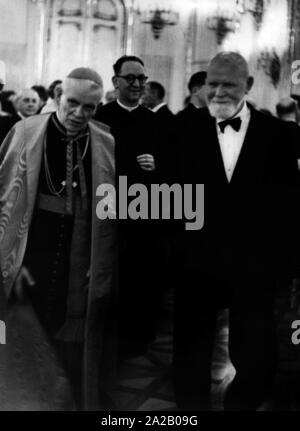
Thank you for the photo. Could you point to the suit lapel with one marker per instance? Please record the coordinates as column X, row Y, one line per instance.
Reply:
column 250, row 154
column 215, row 155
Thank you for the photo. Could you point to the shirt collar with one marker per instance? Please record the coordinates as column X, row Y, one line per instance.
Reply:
column 157, row 107
column 128, row 108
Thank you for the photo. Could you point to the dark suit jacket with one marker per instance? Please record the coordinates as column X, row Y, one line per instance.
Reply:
column 165, row 125
column 248, row 222
column 189, row 111
column 165, row 114
column 295, row 129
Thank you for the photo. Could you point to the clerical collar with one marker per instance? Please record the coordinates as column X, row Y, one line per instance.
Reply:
column 128, row 108
column 157, row 107
column 243, row 113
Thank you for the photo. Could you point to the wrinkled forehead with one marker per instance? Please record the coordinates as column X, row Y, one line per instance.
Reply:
column 82, row 89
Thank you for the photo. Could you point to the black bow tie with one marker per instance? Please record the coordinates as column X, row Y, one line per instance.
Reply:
column 235, row 123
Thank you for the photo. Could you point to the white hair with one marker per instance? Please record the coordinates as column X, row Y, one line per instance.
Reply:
column 233, row 58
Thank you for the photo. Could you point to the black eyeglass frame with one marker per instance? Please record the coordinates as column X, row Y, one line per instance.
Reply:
column 130, row 79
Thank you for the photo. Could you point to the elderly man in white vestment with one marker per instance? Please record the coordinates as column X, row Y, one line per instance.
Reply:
column 55, row 252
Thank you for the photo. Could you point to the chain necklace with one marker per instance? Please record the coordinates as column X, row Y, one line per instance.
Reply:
column 47, row 171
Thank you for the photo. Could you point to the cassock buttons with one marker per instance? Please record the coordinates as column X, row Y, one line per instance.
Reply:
column 74, row 184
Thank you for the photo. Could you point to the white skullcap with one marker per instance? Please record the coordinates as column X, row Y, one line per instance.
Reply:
column 86, row 73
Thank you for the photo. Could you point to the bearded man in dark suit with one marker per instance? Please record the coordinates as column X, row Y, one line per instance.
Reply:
column 245, row 161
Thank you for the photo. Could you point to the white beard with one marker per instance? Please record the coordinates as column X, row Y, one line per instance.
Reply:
column 223, row 110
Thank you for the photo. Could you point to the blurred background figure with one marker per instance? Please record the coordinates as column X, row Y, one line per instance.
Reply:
column 287, row 110
column 196, row 100
column 7, row 101
column 54, row 93
column 27, row 103
column 110, row 96
column 6, row 119
column 43, row 95
column 2, row 83
column 186, row 101
column 153, row 98
column 266, row 112
column 196, row 88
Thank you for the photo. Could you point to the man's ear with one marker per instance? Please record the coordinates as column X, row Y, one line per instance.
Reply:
column 58, row 95
column 115, row 82
column 250, row 82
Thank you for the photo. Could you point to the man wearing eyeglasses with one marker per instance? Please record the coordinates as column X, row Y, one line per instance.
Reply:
column 132, row 126
column 126, row 117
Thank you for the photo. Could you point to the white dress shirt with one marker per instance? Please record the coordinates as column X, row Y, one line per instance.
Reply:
column 231, row 141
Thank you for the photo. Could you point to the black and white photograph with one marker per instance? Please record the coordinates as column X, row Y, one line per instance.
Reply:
column 150, row 208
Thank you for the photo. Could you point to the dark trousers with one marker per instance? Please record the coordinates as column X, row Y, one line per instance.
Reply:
column 252, row 338
column 142, row 263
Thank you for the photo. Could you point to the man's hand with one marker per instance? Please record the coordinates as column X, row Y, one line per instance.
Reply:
column 23, row 278
column 295, row 295
column 146, row 162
